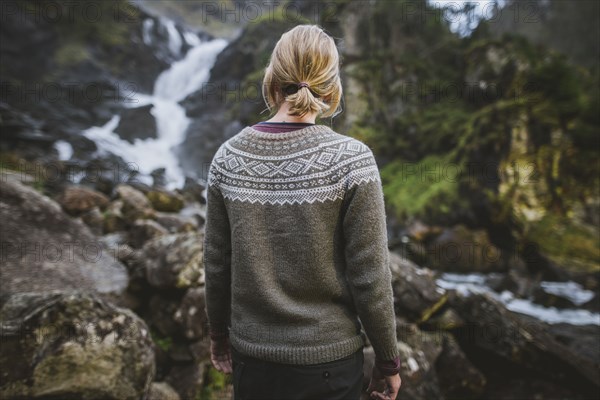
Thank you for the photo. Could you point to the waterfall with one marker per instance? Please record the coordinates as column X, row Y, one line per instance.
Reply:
column 173, row 85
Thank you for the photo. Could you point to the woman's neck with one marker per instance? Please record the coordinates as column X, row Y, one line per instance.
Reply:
column 282, row 115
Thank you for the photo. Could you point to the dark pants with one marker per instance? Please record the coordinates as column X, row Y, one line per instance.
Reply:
column 255, row 379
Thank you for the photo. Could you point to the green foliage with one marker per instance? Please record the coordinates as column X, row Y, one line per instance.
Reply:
column 282, row 12
column 428, row 189
column 164, row 342
column 215, row 382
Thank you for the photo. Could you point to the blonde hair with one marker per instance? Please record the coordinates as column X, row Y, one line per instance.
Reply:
column 304, row 54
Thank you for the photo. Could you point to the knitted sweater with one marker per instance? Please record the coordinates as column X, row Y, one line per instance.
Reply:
column 295, row 248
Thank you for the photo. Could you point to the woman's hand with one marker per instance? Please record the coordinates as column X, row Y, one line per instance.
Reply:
column 384, row 387
column 220, row 354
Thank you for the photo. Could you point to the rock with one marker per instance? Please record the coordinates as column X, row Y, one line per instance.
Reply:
column 144, row 230
column 175, row 261
column 79, row 199
column 458, row 377
column 191, row 315
column 593, row 304
column 581, row 339
column 159, row 177
column 433, row 366
column 45, row 249
column 161, row 315
column 505, row 344
column 114, row 221
column 73, row 345
column 20, row 177
column 137, row 123
column 162, row 391
column 464, row 250
column 187, row 379
column 193, row 190
column 416, row 294
column 94, row 220
column 177, row 223
column 419, row 379
column 163, row 200
column 135, row 204
column 200, row 349
column 446, row 320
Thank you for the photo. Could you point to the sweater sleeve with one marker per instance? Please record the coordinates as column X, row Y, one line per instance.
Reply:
column 217, row 259
column 367, row 257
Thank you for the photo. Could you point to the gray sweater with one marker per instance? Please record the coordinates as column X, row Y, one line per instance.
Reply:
column 295, row 248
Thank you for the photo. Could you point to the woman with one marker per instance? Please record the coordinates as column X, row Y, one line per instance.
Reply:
column 295, row 248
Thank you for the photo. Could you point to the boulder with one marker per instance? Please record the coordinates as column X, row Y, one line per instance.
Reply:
column 193, row 190
column 191, row 315
column 462, row 249
column 416, row 294
column 161, row 312
column 187, row 379
column 159, row 177
column 137, row 123
column 71, row 345
column 94, row 220
column 135, row 203
column 114, row 220
column 507, row 345
column 79, row 199
column 433, row 366
column 162, row 391
column 174, row 261
column 45, row 249
column 144, row 230
column 163, row 200
column 458, row 377
column 419, row 379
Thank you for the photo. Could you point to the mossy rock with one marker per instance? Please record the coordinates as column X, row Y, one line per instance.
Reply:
column 73, row 345
column 165, row 201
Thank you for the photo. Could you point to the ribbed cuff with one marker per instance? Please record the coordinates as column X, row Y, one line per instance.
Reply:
column 389, row 367
column 218, row 333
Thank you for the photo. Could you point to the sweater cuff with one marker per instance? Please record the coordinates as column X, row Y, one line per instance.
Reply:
column 388, row 367
column 218, row 334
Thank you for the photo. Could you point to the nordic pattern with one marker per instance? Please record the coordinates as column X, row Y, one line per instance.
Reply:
column 322, row 171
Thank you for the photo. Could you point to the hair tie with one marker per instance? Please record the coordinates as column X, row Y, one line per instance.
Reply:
column 303, row 84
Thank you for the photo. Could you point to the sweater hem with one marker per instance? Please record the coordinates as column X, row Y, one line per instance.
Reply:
column 298, row 355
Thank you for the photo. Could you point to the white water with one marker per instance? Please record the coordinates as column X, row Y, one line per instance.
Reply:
column 65, row 150
column 570, row 290
column 173, row 85
column 466, row 284
column 462, row 23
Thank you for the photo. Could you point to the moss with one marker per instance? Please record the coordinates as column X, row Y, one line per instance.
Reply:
column 163, row 342
column 427, row 313
column 428, row 189
column 571, row 245
column 215, row 383
column 11, row 163
column 71, row 53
